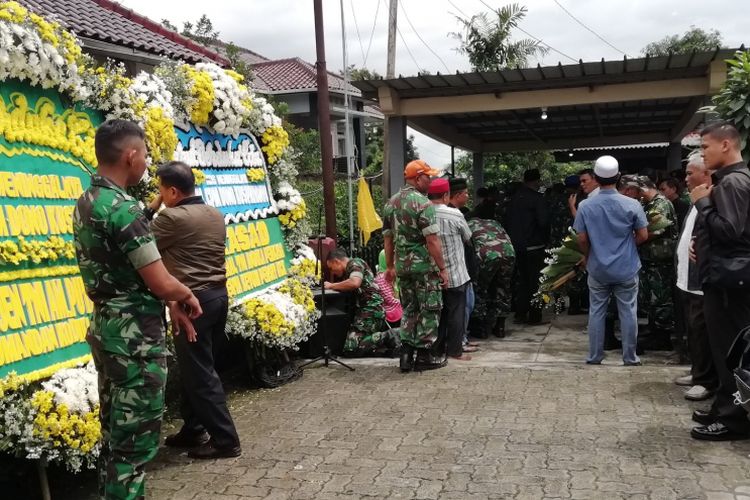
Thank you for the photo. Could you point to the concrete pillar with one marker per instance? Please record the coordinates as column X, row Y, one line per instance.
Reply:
column 478, row 172
column 396, row 151
column 674, row 156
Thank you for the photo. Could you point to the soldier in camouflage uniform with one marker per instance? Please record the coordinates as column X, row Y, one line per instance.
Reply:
column 657, row 276
column 127, row 281
column 369, row 333
column 657, row 260
column 496, row 258
column 412, row 250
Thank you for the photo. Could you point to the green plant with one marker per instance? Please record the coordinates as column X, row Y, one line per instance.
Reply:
column 733, row 100
column 486, row 40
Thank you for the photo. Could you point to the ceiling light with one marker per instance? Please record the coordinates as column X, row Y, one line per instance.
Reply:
column 570, row 154
column 544, row 113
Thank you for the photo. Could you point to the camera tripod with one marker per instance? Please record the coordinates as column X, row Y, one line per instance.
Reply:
column 327, row 355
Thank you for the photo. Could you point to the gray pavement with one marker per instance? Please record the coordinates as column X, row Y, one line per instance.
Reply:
column 524, row 419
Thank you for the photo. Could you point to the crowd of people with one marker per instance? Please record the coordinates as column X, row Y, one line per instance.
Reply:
column 448, row 272
column 669, row 249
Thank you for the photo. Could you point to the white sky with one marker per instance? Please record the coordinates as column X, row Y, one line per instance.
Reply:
column 285, row 28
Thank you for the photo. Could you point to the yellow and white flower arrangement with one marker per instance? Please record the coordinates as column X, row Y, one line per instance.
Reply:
column 292, row 207
column 57, row 421
column 281, row 317
column 39, row 51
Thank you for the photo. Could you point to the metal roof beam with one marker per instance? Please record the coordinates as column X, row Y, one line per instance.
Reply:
column 571, row 143
column 665, row 89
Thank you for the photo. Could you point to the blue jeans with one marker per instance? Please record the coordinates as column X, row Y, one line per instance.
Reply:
column 626, row 295
column 469, row 308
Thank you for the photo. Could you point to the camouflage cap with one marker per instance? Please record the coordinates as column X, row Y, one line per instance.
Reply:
column 630, row 181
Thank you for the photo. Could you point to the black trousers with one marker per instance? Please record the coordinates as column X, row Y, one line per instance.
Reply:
column 727, row 313
column 452, row 321
column 529, row 264
column 694, row 321
column 203, row 404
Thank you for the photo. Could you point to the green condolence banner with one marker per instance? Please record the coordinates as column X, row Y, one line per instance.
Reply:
column 46, row 156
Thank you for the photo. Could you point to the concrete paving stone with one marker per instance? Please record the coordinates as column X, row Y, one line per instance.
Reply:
column 525, row 418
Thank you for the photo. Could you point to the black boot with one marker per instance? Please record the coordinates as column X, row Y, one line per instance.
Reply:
column 610, row 341
column 499, row 330
column 406, row 361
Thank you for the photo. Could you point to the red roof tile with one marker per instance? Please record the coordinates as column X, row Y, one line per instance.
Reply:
column 109, row 21
column 293, row 74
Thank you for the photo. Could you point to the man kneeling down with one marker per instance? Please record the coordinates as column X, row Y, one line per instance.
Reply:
column 368, row 333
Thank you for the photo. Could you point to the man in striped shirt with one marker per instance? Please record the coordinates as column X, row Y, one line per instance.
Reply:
column 454, row 232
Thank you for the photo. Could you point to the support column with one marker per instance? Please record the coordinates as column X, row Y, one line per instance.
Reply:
column 674, row 156
column 396, row 152
column 478, row 171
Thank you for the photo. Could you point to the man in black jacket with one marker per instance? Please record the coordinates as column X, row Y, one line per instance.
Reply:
column 722, row 238
column 529, row 230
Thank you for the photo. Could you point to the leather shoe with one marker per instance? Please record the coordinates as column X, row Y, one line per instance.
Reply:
column 703, row 417
column 186, row 440
column 209, row 451
column 717, row 432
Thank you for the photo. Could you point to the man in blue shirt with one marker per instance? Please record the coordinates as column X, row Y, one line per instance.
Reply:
column 610, row 227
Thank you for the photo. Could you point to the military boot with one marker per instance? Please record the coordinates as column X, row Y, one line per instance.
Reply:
column 499, row 330
column 406, row 361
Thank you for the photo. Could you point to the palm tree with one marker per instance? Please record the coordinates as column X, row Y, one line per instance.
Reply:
column 486, row 39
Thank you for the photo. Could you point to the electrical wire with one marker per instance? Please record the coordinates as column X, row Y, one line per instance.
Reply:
column 372, row 34
column 356, row 28
column 589, row 29
column 550, row 47
column 459, row 10
column 403, row 9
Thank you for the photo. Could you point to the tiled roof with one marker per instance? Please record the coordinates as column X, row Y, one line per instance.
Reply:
column 109, row 21
column 292, row 74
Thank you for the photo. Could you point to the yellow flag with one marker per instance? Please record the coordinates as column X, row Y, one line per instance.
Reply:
column 367, row 218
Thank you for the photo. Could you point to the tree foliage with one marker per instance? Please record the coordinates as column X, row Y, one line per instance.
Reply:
column 501, row 169
column 486, row 40
column 733, row 100
column 201, row 32
column 233, row 54
column 694, row 39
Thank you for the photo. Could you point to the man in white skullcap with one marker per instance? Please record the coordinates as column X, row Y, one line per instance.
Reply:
column 610, row 226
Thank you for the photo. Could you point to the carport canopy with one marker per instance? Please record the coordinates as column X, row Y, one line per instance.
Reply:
column 562, row 107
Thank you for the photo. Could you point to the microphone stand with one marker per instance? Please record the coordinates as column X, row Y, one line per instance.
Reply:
column 327, row 355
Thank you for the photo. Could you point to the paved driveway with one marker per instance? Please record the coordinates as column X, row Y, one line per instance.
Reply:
column 524, row 419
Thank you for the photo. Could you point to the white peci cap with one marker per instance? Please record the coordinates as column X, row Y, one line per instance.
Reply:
column 606, row 167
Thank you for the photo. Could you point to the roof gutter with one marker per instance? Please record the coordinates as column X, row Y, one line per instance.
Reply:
column 109, row 49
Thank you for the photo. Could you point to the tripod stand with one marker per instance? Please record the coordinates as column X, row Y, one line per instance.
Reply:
column 327, row 355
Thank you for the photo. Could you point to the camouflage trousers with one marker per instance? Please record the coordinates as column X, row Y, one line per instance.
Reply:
column 655, row 295
column 131, row 404
column 422, row 300
column 369, row 332
column 492, row 291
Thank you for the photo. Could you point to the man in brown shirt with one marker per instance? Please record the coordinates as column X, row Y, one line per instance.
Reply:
column 191, row 238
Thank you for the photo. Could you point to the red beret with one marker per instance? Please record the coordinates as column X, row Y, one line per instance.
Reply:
column 439, row 186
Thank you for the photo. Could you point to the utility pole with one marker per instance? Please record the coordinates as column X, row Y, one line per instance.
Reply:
column 348, row 134
column 390, row 72
column 324, row 122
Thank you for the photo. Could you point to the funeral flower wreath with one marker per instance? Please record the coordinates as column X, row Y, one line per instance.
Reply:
column 58, row 421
